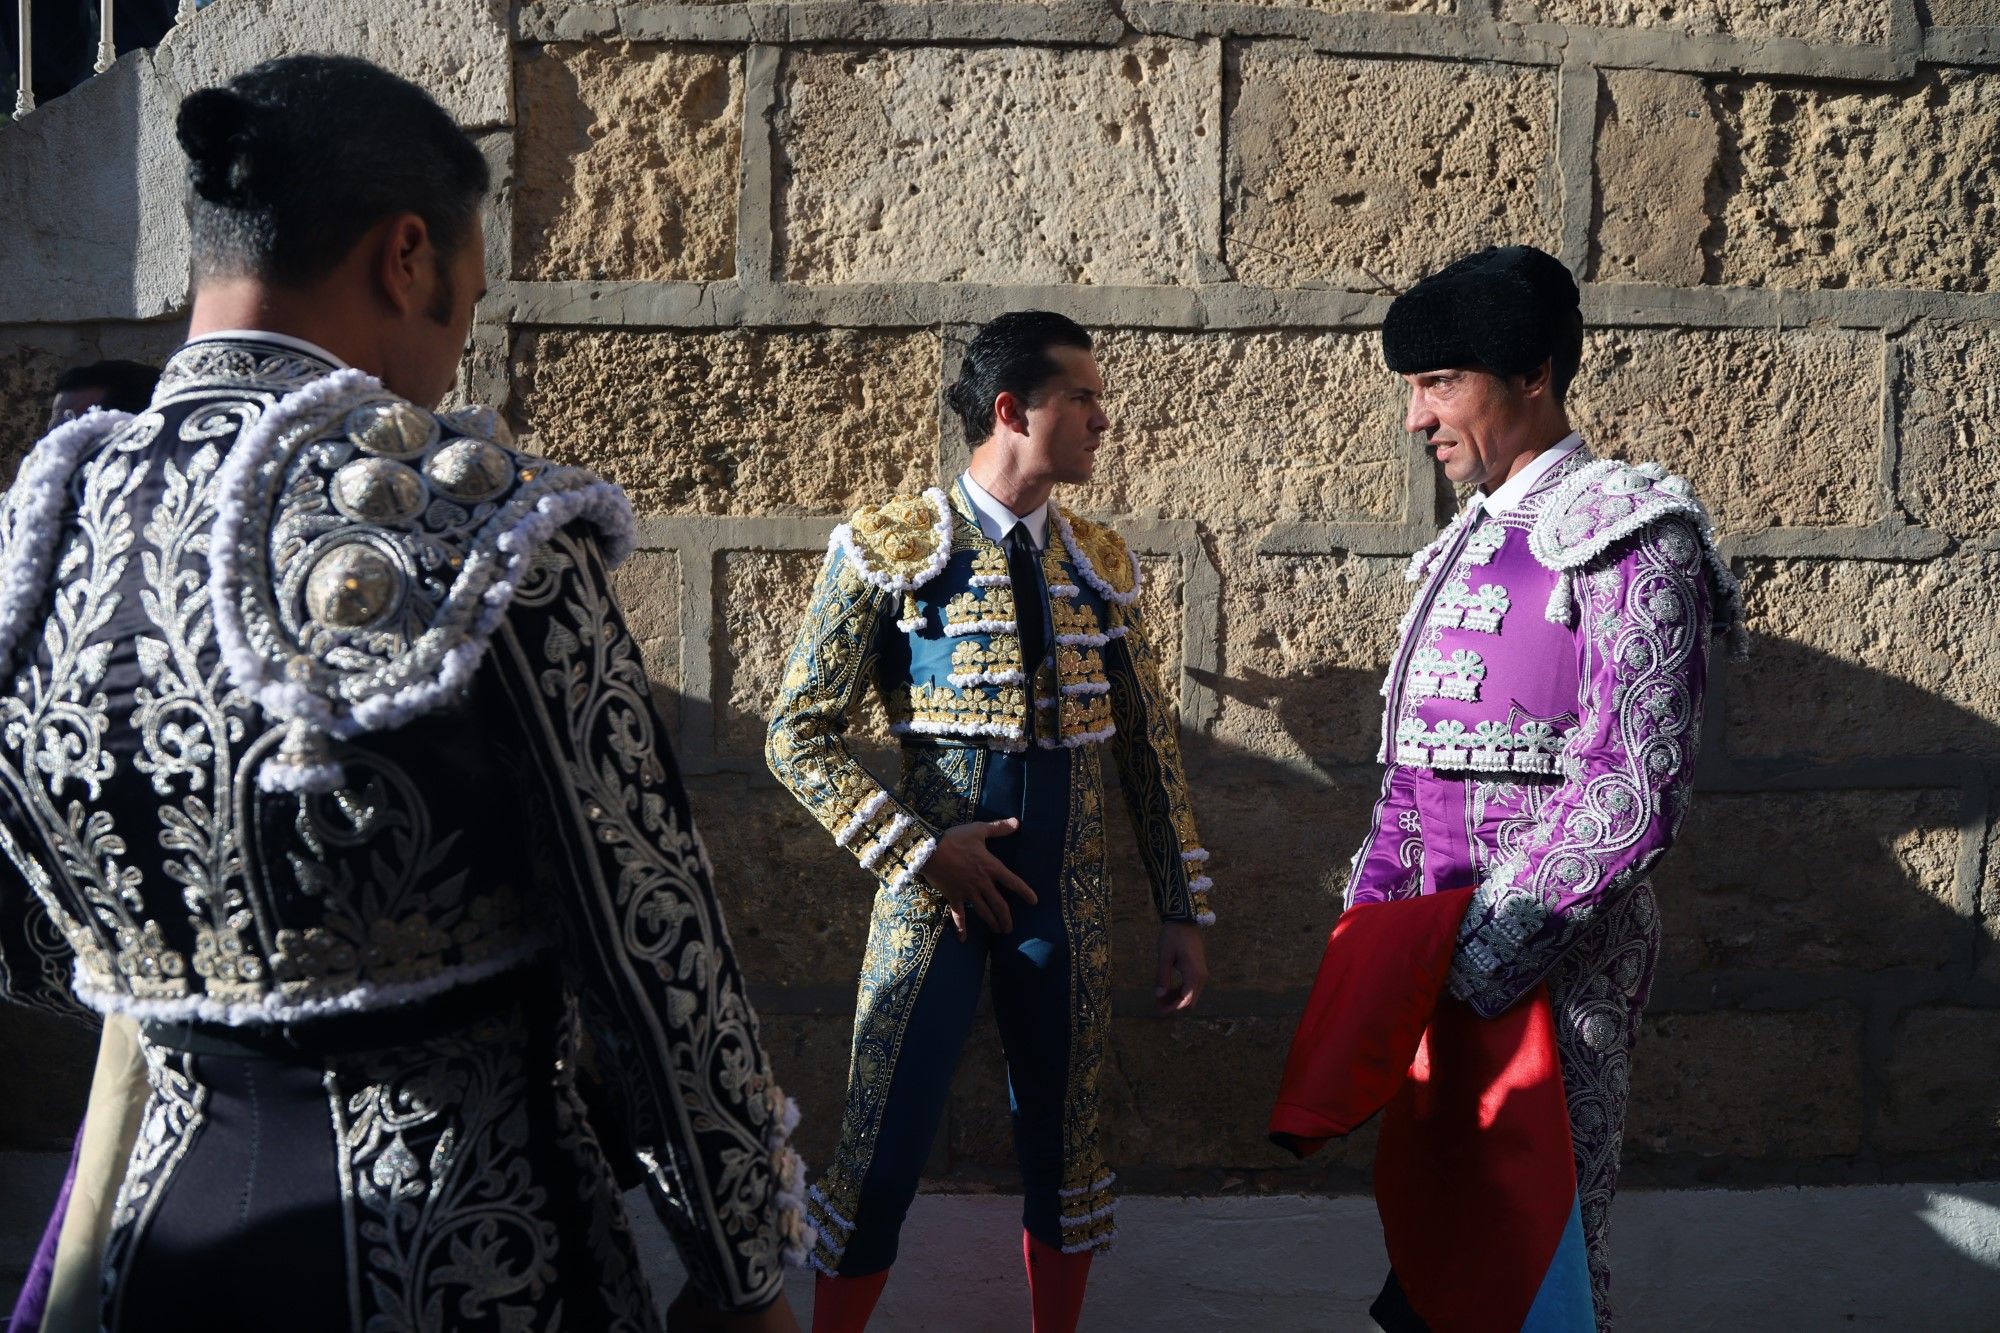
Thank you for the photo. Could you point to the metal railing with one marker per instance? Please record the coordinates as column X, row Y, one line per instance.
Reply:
column 107, row 53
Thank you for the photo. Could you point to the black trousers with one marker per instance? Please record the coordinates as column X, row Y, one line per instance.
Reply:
column 406, row 1170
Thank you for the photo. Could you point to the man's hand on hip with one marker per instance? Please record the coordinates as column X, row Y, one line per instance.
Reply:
column 971, row 879
column 1183, row 968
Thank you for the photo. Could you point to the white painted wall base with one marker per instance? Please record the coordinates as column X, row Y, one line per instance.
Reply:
column 1903, row 1257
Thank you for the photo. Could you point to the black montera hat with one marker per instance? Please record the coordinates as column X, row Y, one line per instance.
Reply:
column 1506, row 309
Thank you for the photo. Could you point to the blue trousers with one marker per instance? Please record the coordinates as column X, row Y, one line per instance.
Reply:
column 921, row 1010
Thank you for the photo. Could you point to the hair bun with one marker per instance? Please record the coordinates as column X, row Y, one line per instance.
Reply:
column 214, row 129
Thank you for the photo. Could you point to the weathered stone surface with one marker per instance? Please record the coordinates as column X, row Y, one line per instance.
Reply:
column 1844, row 21
column 736, row 423
column 1747, row 1085
column 27, row 381
column 93, row 212
column 1016, row 164
column 41, row 1113
column 1814, row 882
column 1857, row 658
column 1773, row 429
column 1656, row 145
column 809, row 1054
column 1982, row 12
column 458, row 53
column 797, row 905
column 1250, row 428
column 764, row 598
column 1942, row 1093
column 1442, row 7
column 627, row 161
column 1368, row 173
column 1306, row 642
column 648, row 585
column 1856, row 187
column 1950, row 414
column 1279, row 848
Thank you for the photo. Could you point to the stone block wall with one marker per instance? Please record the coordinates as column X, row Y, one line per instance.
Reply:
column 739, row 246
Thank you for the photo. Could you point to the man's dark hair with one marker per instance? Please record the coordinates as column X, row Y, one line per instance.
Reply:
column 127, row 385
column 1009, row 355
column 293, row 161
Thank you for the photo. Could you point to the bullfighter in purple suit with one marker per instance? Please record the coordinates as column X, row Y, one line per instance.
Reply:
column 1544, row 699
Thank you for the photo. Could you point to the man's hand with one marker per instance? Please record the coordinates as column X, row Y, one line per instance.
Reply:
column 970, row 878
column 691, row 1313
column 1181, row 952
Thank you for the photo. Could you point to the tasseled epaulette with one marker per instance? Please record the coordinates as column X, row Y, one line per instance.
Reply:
column 1607, row 501
column 1101, row 556
column 898, row 546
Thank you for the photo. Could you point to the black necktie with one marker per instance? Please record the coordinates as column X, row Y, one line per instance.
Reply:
column 1024, row 568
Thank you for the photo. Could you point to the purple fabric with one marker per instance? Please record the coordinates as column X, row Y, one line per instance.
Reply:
column 33, row 1302
column 1539, row 740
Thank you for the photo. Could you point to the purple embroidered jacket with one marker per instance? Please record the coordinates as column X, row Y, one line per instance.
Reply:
column 1543, row 702
column 1540, row 740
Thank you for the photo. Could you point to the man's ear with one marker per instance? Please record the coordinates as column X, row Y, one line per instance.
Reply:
column 404, row 268
column 1011, row 412
column 1540, row 381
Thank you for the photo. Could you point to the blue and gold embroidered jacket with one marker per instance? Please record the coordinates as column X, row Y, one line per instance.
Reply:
column 917, row 600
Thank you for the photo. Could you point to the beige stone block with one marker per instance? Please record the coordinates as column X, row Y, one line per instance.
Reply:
column 809, row 1055
column 1985, row 13
column 1306, row 641
column 1942, row 1093
column 1857, row 658
column 1656, row 146
column 648, row 586
column 764, row 600
column 1372, row 173
column 1849, row 186
column 999, row 164
column 1950, row 413
column 1438, row 7
column 1753, row 1084
column 815, row 422
column 626, row 161
column 1195, row 1093
column 1774, row 429
column 797, row 905
column 1843, row 21
column 27, row 383
column 1279, row 845
column 1250, row 428
column 1814, row 882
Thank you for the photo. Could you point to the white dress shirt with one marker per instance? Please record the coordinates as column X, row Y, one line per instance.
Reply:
column 997, row 520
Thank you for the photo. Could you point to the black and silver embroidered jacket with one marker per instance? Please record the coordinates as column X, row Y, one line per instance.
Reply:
column 320, row 703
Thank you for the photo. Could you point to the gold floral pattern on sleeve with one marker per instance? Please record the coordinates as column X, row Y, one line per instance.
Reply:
column 806, row 746
column 1148, row 752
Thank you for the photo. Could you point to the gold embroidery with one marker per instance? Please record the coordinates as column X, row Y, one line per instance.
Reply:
column 1074, row 619
column 1106, row 551
column 900, row 538
column 980, row 606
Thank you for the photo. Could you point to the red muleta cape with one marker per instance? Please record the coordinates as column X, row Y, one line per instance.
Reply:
column 1474, row 1177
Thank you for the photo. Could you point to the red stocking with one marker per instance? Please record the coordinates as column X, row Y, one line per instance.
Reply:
column 1055, row 1285
column 843, row 1304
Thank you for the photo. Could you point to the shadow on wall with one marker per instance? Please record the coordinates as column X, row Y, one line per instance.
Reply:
column 1825, row 1012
